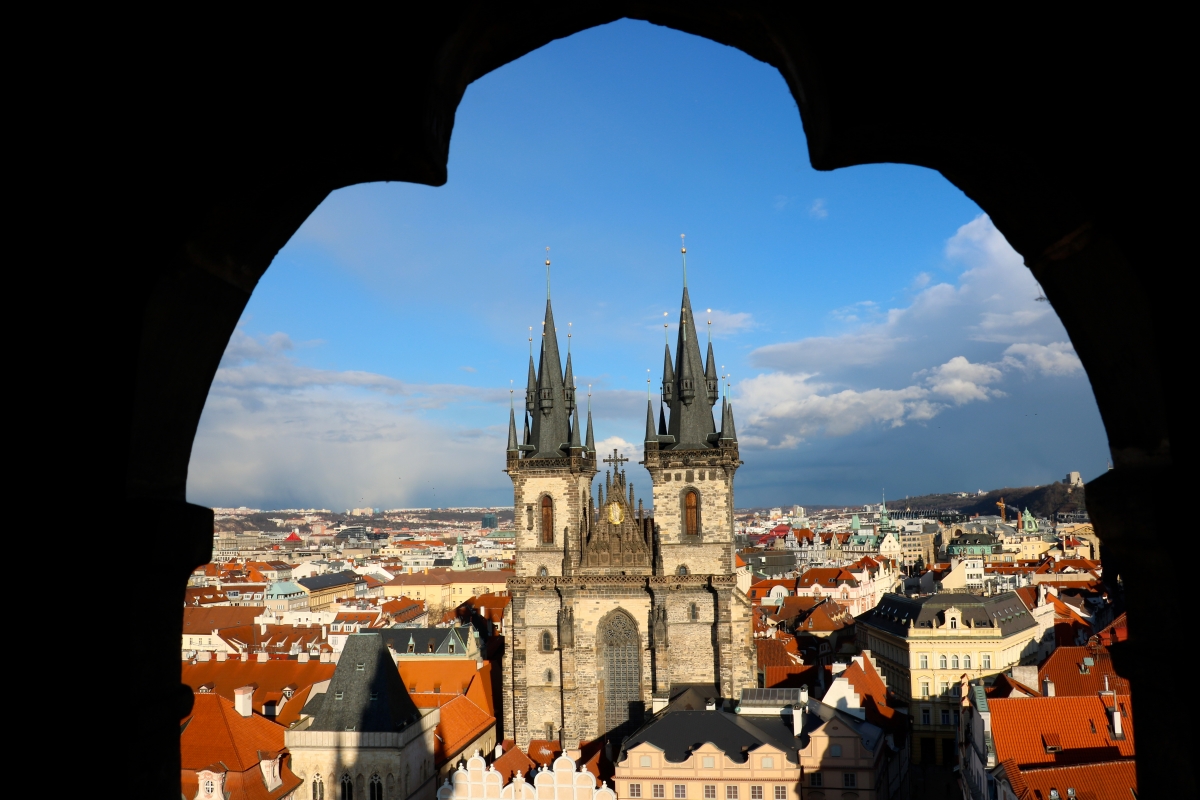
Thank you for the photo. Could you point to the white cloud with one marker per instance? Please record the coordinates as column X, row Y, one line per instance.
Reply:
column 818, row 210
column 819, row 353
column 963, row 382
column 781, row 201
column 629, row 450
column 1056, row 359
column 275, row 431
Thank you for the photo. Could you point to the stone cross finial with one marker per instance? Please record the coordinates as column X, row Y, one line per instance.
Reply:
column 616, row 460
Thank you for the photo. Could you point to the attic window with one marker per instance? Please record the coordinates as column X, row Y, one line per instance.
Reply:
column 360, row 666
column 339, row 695
column 412, row 647
column 452, row 647
column 374, row 695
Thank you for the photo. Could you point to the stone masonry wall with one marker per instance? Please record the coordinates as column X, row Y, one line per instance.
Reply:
column 571, row 494
column 713, row 554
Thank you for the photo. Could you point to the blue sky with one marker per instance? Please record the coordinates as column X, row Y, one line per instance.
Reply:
column 879, row 332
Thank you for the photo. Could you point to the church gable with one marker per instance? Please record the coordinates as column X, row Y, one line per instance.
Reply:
column 618, row 541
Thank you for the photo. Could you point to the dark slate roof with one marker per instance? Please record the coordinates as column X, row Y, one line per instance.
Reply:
column 329, row 579
column 693, row 696
column 441, row 638
column 974, row 538
column 365, row 692
column 894, row 612
column 677, row 733
column 691, row 422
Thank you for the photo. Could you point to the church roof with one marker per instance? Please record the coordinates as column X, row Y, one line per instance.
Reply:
column 365, row 692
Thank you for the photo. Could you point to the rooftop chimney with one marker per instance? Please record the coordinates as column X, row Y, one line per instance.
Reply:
column 222, row 655
column 262, row 657
column 710, row 704
column 1047, row 687
column 243, row 700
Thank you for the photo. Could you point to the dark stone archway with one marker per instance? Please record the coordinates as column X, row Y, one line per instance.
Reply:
column 205, row 146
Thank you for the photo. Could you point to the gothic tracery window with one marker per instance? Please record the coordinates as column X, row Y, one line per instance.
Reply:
column 376, row 792
column 691, row 513
column 547, row 520
column 318, row 788
column 619, row 638
column 347, row 787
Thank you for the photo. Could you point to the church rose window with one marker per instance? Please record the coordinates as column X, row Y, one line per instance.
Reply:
column 621, row 650
column 547, row 521
column 691, row 514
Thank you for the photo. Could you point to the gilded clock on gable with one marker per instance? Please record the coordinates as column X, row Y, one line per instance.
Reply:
column 616, row 514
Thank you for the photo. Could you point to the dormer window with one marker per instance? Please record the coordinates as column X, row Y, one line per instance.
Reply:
column 412, row 647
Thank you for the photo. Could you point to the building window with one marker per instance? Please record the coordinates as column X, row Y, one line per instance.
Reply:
column 549, row 676
column 681, row 791
column 849, row 780
column 709, row 762
column 756, row 793
column 710, row 791
column 543, row 572
column 953, row 662
column 815, row 779
column 943, row 688
column 924, row 688
column 547, row 520
column 645, row 761
column 376, row 788
column 547, row 642
column 660, row 790
column 768, row 762
column 966, row 662
column 731, row 793
column 347, row 788
column 941, row 662
column 318, row 788
column 924, row 662
column 691, row 515
column 924, row 716
column 635, row 790
column 780, row 793
column 835, row 750
column 945, row 716
column 209, row 787
column 694, row 612
column 549, row 731
column 987, row 660
column 681, row 570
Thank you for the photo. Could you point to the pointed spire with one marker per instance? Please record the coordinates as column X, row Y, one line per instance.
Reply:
column 691, row 423
column 590, row 442
column 668, row 382
column 551, row 420
column 569, row 381
column 710, row 376
column 575, row 443
column 512, row 424
column 650, row 435
column 527, row 434
column 531, row 384
column 662, row 420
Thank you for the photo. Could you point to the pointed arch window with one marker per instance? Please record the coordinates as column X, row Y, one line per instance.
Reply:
column 347, row 787
column 681, row 569
column 694, row 612
column 376, row 788
column 318, row 788
column 547, row 520
column 547, row 642
column 691, row 513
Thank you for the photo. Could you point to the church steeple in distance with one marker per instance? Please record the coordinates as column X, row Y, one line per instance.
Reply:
column 686, row 388
column 552, row 403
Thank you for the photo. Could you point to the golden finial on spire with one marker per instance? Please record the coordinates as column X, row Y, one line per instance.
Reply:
column 710, row 326
column 531, row 341
column 569, row 324
column 666, row 330
column 683, row 250
column 647, row 385
column 547, row 273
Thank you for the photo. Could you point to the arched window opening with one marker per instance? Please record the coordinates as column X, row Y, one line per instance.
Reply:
column 543, row 572
column 549, row 676
column 691, row 514
column 318, row 788
column 549, row 731
column 347, row 787
column 621, row 651
column 681, row 569
column 954, row 622
column 941, row 662
column 376, row 787
column 953, row 662
column 966, row 662
column 547, row 642
column 694, row 612
column 547, row 520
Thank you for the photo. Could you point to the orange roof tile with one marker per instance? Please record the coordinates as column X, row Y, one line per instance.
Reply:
column 462, row 722
column 214, row 732
column 1109, row 780
column 266, row 677
column 206, row 620
column 513, row 761
column 1066, row 668
column 1081, row 723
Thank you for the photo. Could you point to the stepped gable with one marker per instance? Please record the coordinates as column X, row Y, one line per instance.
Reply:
column 365, row 692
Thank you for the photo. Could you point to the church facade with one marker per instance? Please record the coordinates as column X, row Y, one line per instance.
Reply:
column 616, row 609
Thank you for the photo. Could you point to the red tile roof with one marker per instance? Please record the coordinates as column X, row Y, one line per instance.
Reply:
column 826, row 578
column 1066, row 668
column 462, row 722
column 1109, row 780
column 267, row 677
column 214, row 732
column 207, row 620
column 514, row 760
column 1081, row 723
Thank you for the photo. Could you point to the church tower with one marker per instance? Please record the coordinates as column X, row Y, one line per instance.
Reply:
column 552, row 469
column 692, row 463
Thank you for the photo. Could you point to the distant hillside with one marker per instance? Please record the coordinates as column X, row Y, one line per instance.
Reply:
column 1042, row 501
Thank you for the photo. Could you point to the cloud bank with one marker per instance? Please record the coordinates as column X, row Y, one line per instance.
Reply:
column 822, row 385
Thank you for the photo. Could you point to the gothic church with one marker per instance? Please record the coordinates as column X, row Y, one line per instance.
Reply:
column 616, row 609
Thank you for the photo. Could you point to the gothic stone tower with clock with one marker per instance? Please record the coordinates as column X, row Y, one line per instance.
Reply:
column 614, row 610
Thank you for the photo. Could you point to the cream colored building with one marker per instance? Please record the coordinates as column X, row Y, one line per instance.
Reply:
column 444, row 589
column 925, row 645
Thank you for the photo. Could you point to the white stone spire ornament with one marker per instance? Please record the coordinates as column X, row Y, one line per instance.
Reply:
column 683, row 250
column 547, row 273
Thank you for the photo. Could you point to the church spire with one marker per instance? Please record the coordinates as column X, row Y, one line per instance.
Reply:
column 576, row 445
column 569, row 379
column 552, row 415
column 691, row 423
column 590, row 442
column 710, row 371
column 650, row 435
column 512, row 424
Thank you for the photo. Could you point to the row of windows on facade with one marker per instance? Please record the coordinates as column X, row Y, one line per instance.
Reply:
column 927, row 717
column 691, row 515
column 952, row 661
column 372, row 790
column 945, row 688
column 733, row 791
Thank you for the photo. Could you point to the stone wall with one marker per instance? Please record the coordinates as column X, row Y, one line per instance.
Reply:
column 710, row 474
column 402, row 760
column 569, row 488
